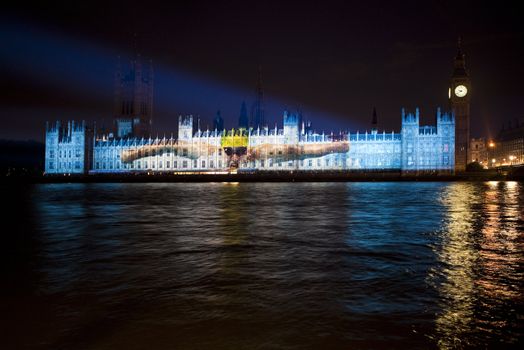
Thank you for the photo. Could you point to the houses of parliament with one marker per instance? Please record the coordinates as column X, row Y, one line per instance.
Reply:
column 76, row 148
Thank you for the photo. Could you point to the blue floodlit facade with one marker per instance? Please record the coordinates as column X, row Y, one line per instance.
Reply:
column 74, row 149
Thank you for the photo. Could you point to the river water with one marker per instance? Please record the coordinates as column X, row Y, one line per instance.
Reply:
column 263, row 265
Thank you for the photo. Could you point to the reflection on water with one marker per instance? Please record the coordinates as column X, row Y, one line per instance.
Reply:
column 458, row 256
column 264, row 265
column 481, row 258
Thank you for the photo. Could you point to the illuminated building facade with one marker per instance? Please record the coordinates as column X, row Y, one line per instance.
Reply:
column 294, row 147
column 67, row 148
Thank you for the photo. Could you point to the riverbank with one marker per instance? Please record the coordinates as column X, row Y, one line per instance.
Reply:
column 268, row 177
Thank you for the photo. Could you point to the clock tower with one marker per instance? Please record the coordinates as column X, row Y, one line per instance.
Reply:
column 459, row 98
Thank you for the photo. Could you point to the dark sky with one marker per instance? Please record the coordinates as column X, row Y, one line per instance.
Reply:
column 333, row 60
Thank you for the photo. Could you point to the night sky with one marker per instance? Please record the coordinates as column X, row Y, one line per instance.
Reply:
column 335, row 61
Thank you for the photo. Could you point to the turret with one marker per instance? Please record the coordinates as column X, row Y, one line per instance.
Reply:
column 185, row 128
column 291, row 127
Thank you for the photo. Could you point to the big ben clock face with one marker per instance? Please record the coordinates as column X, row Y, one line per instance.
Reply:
column 461, row 91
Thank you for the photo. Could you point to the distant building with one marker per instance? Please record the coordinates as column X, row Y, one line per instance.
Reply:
column 508, row 146
column 478, row 151
column 415, row 149
column 133, row 105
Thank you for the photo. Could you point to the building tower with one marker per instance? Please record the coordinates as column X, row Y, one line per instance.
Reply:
column 243, row 120
column 374, row 121
column 257, row 110
column 218, row 122
column 133, row 107
column 459, row 98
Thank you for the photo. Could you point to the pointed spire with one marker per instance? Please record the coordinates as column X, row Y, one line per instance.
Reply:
column 259, row 82
column 243, row 120
column 459, row 67
column 460, row 55
column 257, row 112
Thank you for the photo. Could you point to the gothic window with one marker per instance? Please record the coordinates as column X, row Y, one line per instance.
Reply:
column 184, row 164
column 175, row 164
column 211, row 164
column 160, row 164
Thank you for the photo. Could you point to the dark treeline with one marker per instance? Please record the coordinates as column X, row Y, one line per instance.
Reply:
column 21, row 158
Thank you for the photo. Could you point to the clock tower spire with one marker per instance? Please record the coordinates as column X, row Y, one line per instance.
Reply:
column 459, row 100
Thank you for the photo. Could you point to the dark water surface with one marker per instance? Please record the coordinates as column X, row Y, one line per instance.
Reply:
column 263, row 266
